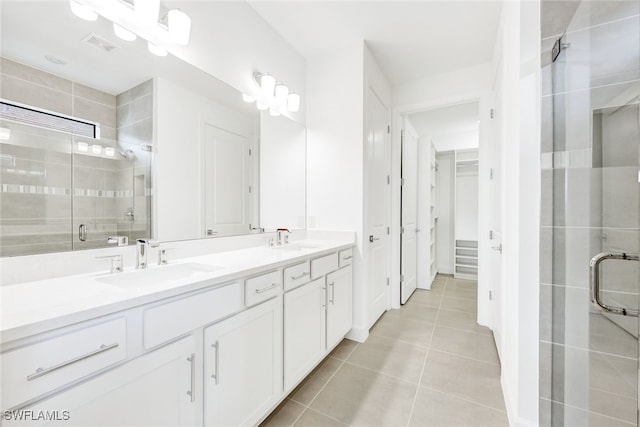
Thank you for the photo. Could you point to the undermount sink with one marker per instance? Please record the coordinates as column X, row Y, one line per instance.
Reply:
column 295, row 247
column 157, row 275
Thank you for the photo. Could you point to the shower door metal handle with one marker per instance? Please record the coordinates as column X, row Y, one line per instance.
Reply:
column 594, row 282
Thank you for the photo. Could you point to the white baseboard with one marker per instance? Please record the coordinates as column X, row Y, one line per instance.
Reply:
column 514, row 419
column 358, row 334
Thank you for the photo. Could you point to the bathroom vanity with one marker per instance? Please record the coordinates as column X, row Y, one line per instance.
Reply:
column 217, row 339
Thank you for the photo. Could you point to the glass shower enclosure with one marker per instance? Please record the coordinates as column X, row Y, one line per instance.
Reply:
column 590, row 218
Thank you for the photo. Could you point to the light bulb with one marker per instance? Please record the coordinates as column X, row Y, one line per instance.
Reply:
column 123, row 33
column 147, row 11
column 261, row 106
column 82, row 11
column 281, row 93
column 247, row 98
column 267, row 83
column 83, row 147
column 273, row 112
column 156, row 50
column 96, row 149
column 179, row 26
column 293, row 102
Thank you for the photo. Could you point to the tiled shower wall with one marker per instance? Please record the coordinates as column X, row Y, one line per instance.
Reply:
column 590, row 204
column 135, row 137
column 49, row 187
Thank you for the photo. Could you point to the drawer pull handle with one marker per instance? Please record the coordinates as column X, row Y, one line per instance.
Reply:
column 217, row 364
column 191, row 392
column 268, row 288
column 306, row 273
column 347, row 257
column 40, row 371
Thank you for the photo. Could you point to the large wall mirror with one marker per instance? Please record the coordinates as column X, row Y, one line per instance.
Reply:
column 100, row 138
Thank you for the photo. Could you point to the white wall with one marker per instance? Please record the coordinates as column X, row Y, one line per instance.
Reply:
column 177, row 181
column 335, row 152
column 444, row 228
column 519, row 44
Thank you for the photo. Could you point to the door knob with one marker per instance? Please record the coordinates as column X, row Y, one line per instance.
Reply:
column 373, row 239
column 497, row 248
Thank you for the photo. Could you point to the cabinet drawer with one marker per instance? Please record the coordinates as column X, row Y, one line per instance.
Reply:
column 346, row 257
column 36, row 369
column 170, row 320
column 324, row 265
column 296, row 275
column 263, row 287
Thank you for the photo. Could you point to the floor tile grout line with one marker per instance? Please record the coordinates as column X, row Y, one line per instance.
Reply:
column 426, row 356
column 467, row 357
column 466, row 399
column 323, row 387
column 380, row 373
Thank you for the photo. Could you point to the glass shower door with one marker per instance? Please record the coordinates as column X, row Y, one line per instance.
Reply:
column 591, row 194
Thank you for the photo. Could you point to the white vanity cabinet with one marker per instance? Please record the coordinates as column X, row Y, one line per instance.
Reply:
column 339, row 305
column 304, row 330
column 158, row 388
column 224, row 354
column 243, row 366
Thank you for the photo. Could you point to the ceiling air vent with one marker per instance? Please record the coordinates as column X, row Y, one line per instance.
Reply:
column 99, row 42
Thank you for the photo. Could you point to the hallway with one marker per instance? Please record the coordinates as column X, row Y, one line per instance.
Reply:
column 427, row 364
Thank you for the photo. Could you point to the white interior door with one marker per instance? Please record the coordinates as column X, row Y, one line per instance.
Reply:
column 226, row 184
column 496, row 237
column 377, row 206
column 409, row 229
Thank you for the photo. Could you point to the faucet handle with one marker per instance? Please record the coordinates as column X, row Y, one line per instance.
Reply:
column 116, row 262
column 150, row 242
column 119, row 240
column 162, row 255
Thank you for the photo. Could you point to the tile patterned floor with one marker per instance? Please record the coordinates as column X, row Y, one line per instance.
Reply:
column 427, row 364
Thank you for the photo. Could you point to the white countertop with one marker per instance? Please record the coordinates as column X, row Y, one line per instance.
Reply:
column 35, row 307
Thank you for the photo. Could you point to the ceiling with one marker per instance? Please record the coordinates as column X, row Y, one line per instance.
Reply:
column 410, row 39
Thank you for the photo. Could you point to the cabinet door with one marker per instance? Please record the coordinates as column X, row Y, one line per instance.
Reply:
column 157, row 389
column 243, row 366
column 339, row 308
column 304, row 330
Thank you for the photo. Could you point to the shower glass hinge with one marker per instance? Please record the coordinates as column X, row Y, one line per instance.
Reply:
column 401, row 278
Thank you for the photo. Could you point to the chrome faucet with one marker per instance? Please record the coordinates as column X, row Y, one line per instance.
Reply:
column 142, row 246
column 282, row 239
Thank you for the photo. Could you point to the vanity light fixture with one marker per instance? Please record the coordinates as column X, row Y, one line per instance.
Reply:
column 110, row 151
column 274, row 96
column 139, row 18
column 96, row 149
column 82, row 11
column 273, row 112
column 147, row 11
column 158, row 51
column 247, row 98
column 5, row 134
column 281, row 93
column 123, row 33
column 293, row 102
column 179, row 25
column 267, row 84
